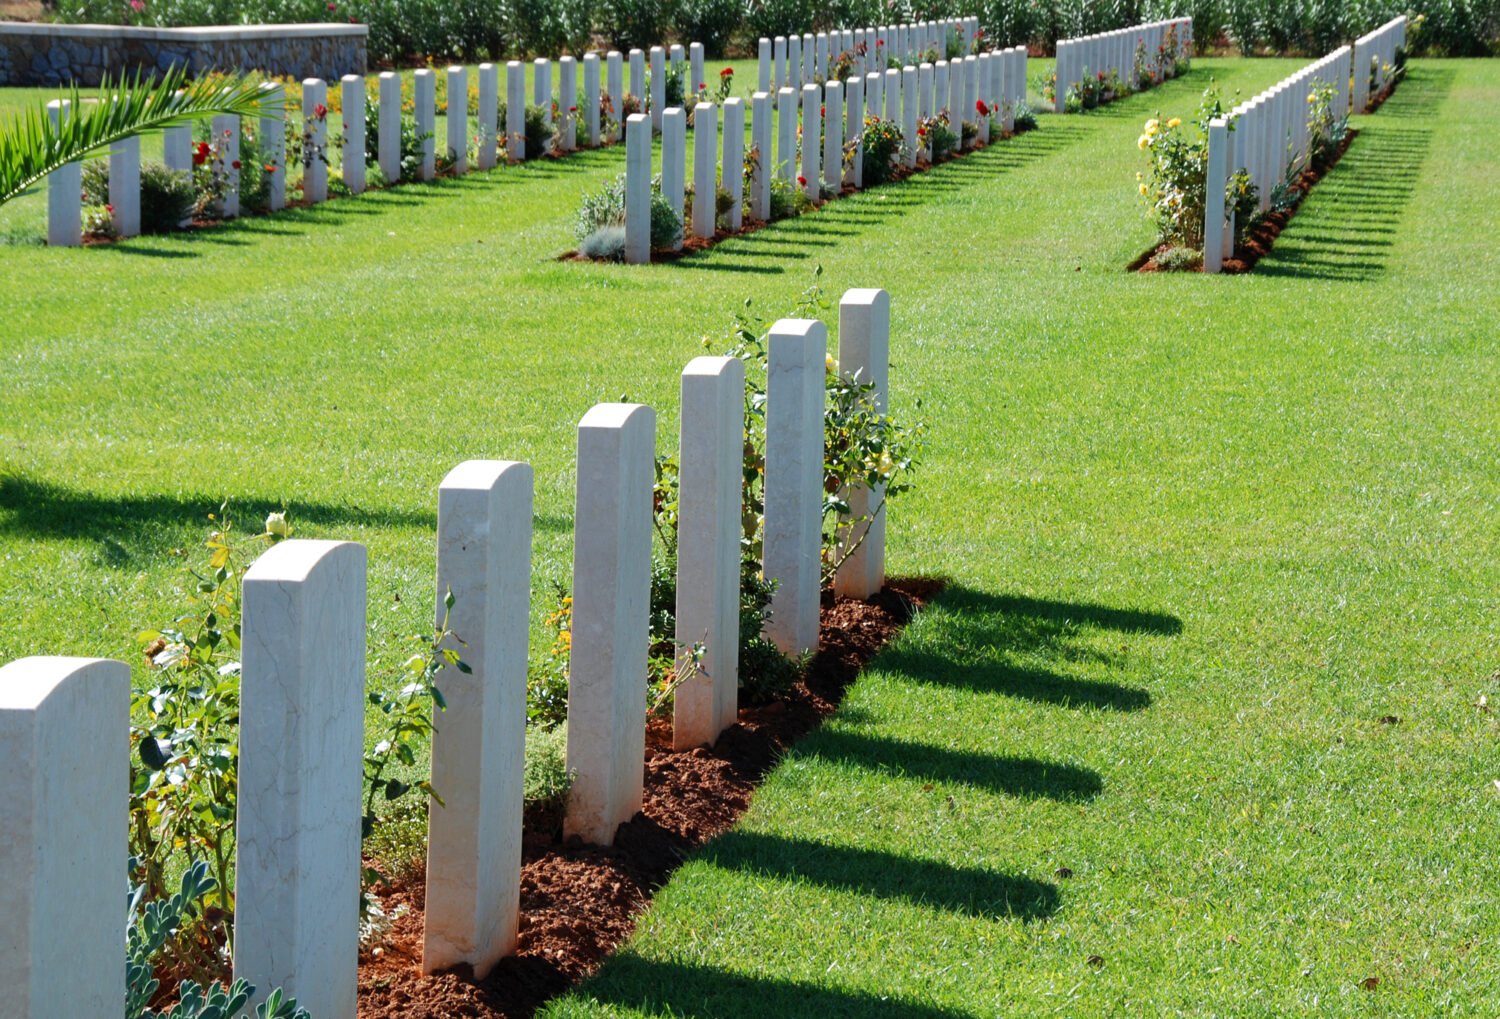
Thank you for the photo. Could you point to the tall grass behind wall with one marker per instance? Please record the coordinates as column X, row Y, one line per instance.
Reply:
column 407, row 31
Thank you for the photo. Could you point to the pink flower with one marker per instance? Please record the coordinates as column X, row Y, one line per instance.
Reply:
column 137, row 6
column 333, row 7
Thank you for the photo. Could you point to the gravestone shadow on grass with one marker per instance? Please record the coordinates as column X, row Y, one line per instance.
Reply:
column 972, row 891
column 1022, row 647
column 1019, row 777
column 1345, row 228
column 42, row 509
column 683, row 990
column 804, row 236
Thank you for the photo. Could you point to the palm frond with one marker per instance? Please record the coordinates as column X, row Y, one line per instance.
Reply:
column 31, row 146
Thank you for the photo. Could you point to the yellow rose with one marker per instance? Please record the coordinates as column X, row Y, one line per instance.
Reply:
column 1143, row 191
column 1175, row 122
column 1152, row 126
column 1143, row 142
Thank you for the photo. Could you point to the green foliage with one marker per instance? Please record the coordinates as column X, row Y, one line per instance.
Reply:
column 407, row 715
column 711, row 22
column 1024, row 118
column 547, row 680
column 32, row 147
column 936, row 132
column 771, row 18
column 547, row 777
column 787, row 199
column 153, row 924
column 185, row 749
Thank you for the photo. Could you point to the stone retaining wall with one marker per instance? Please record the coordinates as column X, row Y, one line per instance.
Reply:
column 33, row 54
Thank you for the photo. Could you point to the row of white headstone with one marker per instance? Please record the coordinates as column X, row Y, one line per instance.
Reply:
column 1375, row 60
column 64, row 198
column 832, row 122
column 64, row 721
column 793, row 61
column 1269, row 137
column 1164, row 43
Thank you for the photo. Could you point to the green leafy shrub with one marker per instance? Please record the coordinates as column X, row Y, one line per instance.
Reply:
column 711, row 22
column 547, row 777
column 1024, row 118
column 155, row 923
column 883, row 144
column 1179, row 259
column 633, row 24
column 787, row 199
column 771, row 18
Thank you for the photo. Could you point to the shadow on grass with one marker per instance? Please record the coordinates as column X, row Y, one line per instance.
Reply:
column 973, row 891
column 1342, row 230
column 990, row 643
column 1020, row 777
column 685, row 991
column 41, row 509
column 803, row 236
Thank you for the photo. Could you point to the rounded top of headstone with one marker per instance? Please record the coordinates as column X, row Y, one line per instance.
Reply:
column 296, row 559
column 26, row 683
column 616, row 415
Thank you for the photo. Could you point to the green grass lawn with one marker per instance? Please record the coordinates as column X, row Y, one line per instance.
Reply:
column 1202, row 536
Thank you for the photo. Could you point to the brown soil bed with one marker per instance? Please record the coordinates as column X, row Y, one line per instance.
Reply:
column 1257, row 243
column 578, row 903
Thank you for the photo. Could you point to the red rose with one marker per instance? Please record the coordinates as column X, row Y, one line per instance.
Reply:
column 726, row 72
column 801, row 180
column 235, row 164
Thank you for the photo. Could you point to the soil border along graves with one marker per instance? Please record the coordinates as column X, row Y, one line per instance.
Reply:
column 1258, row 241
column 579, row 903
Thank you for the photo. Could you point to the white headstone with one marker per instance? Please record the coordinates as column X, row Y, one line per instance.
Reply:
column 697, row 82
column 864, row 355
column 854, row 92
column 302, row 694
column 353, row 88
column 674, row 162
column 833, row 136
column 786, row 144
column 611, row 602
column 779, row 75
column 226, row 135
column 711, row 473
column 638, row 189
column 125, row 185
column 489, row 116
column 458, row 118
column 734, row 160
column 812, row 97
column 614, row 85
column 390, row 126
column 567, row 102
column 638, row 86
column 763, row 53
column 591, row 98
column 64, row 724
column 760, row 179
column 793, row 540
column 424, row 91
column 541, row 88
column 272, row 144
column 658, row 85
column 909, row 103
column 705, row 168
column 515, row 110
column 314, row 140
column 479, row 748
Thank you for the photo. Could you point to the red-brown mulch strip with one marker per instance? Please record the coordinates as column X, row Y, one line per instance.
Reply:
column 578, row 903
column 1257, row 242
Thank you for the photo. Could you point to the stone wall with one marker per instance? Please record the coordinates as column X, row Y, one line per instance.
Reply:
column 32, row 54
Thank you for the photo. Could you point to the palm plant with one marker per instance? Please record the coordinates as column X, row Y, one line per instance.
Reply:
column 31, row 146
